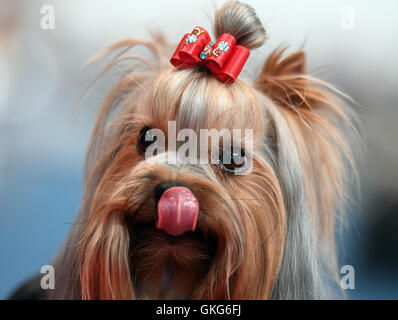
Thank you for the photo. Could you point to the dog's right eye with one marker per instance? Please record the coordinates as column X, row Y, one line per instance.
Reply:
column 233, row 160
column 145, row 139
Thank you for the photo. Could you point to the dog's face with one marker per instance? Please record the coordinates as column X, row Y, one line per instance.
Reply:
column 238, row 230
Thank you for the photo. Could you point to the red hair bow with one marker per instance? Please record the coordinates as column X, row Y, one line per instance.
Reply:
column 224, row 58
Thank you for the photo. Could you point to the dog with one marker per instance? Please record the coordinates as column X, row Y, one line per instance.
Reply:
column 250, row 225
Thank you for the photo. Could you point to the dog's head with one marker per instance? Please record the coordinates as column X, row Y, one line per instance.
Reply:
column 247, row 223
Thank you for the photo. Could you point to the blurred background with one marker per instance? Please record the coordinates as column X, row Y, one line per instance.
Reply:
column 43, row 139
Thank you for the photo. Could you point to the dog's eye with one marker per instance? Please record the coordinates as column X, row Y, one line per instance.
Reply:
column 145, row 139
column 233, row 160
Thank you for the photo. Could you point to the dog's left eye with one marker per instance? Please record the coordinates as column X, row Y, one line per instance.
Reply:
column 145, row 139
column 233, row 160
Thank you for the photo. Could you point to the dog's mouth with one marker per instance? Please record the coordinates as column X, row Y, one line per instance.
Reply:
column 171, row 248
column 143, row 233
column 164, row 266
column 171, row 218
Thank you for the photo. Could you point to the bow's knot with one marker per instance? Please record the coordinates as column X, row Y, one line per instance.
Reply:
column 224, row 58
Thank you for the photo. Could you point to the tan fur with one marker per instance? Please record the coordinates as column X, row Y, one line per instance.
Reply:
column 237, row 250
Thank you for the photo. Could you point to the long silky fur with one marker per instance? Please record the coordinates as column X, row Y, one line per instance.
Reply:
column 304, row 155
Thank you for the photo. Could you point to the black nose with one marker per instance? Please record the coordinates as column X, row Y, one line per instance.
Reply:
column 162, row 187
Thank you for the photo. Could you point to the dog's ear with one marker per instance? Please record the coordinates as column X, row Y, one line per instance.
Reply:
column 319, row 123
column 284, row 80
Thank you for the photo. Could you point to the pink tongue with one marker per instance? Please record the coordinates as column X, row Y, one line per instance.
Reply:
column 177, row 211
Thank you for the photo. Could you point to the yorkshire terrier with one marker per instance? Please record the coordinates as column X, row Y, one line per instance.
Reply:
column 253, row 224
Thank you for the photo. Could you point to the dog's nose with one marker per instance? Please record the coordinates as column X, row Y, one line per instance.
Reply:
column 162, row 187
column 177, row 209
